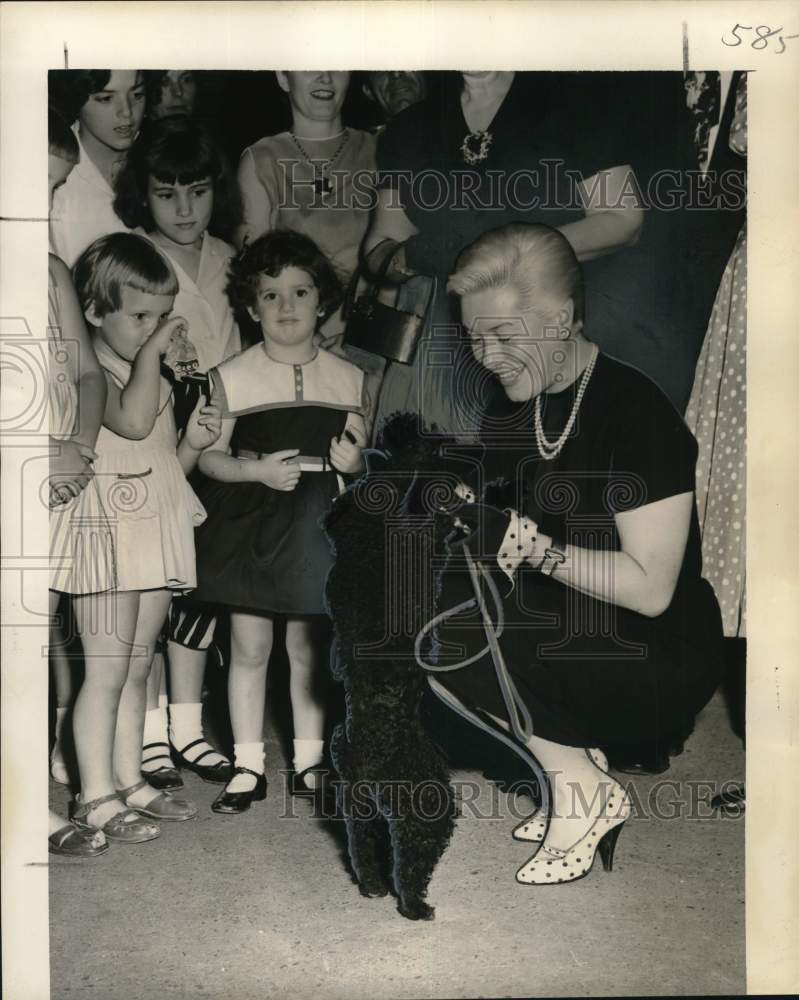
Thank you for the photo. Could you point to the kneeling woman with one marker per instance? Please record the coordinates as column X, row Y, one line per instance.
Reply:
column 608, row 632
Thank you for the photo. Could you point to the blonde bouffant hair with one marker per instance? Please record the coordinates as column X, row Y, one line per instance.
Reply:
column 536, row 260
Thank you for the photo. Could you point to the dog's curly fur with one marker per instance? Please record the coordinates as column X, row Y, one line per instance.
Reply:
column 397, row 798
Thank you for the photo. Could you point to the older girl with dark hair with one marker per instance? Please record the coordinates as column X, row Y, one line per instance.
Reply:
column 107, row 107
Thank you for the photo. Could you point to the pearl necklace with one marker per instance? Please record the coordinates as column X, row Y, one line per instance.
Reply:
column 549, row 449
column 321, row 182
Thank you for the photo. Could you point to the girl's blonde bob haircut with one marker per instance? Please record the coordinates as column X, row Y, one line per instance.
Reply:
column 118, row 261
column 535, row 260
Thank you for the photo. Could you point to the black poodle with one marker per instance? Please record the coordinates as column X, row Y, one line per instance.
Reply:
column 388, row 530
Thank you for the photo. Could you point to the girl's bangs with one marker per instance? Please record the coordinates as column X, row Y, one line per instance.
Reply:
column 153, row 285
column 145, row 270
column 183, row 166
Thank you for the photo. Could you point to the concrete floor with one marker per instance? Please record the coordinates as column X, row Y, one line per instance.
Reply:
column 262, row 906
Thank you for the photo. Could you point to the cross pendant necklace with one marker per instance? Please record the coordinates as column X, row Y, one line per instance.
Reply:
column 322, row 183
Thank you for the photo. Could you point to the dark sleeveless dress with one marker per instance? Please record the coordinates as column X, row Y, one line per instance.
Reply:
column 263, row 550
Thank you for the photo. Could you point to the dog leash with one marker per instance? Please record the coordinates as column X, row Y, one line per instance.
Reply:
column 518, row 714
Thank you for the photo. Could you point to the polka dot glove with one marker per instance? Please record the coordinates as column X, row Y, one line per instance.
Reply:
column 517, row 544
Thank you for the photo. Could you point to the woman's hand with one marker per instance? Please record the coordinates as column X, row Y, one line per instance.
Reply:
column 70, row 468
column 398, row 270
column 345, row 451
column 277, row 470
column 480, row 527
column 390, row 228
column 204, row 425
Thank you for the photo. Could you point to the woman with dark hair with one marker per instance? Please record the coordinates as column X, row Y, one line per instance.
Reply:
column 107, row 107
column 608, row 631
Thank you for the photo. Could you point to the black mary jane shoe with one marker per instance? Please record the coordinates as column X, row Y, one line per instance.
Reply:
column 239, row 802
column 166, row 778
column 220, row 773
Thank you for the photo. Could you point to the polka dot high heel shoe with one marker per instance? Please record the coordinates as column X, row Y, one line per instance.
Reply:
column 551, row 865
column 534, row 828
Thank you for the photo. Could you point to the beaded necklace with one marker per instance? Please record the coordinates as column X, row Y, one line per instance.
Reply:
column 321, row 168
column 551, row 449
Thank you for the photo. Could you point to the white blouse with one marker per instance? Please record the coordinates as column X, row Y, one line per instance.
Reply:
column 82, row 210
column 204, row 303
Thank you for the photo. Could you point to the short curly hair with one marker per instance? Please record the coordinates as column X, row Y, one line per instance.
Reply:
column 176, row 150
column 118, row 261
column 271, row 254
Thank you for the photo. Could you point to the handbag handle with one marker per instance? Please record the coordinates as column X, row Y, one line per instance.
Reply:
column 374, row 284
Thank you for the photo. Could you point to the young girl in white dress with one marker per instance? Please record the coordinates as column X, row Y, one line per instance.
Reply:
column 126, row 290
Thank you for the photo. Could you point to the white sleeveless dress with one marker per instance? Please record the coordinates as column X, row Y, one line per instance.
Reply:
column 151, row 508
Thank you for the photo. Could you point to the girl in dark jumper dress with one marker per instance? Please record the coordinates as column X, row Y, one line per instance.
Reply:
column 293, row 424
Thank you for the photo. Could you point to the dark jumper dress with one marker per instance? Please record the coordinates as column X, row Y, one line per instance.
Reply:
column 260, row 549
column 590, row 672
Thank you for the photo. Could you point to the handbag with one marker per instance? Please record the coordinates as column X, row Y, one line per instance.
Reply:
column 383, row 329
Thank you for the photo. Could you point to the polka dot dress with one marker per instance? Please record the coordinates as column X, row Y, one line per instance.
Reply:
column 717, row 416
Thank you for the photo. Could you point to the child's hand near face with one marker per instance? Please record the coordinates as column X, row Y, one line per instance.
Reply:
column 345, row 451
column 204, row 425
column 163, row 334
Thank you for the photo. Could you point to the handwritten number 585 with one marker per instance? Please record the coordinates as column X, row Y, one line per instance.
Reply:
column 763, row 32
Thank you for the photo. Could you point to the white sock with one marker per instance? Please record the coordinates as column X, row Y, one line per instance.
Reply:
column 155, row 731
column 163, row 700
column 185, row 726
column 308, row 753
column 250, row 755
